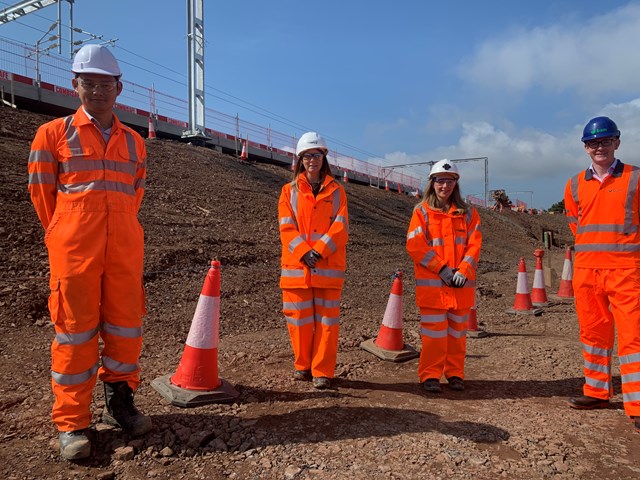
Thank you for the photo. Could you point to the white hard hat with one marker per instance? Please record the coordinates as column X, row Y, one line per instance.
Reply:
column 96, row 59
column 309, row 141
column 444, row 166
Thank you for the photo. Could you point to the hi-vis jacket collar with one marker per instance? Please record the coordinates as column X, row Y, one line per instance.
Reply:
column 617, row 170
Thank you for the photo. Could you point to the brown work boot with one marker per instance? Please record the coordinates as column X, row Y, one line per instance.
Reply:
column 456, row 383
column 74, row 445
column 322, row 383
column 584, row 402
column 120, row 411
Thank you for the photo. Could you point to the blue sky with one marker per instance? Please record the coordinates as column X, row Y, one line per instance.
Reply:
column 401, row 82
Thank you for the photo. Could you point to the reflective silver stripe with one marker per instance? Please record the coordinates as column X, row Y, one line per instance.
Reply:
column 414, row 233
column 458, row 318
column 425, row 332
column 41, row 156
column 326, row 303
column 325, row 272
column 607, row 227
column 294, row 243
column 297, row 305
column 315, row 237
column 470, row 284
column 329, row 243
column 427, row 258
column 470, row 260
column 100, row 185
column 127, row 332
column 629, row 210
column 574, row 188
column 139, row 183
column 596, row 367
column 293, row 200
column 76, row 338
column 116, row 366
column 460, row 241
column 602, row 352
column 455, row 333
column 421, row 282
column 336, row 203
column 607, row 247
column 631, row 358
column 73, row 140
column 472, row 231
column 131, row 147
column 41, row 178
column 592, row 382
column 437, row 242
column 74, row 378
column 341, row 219
column 328, row 321
column 631, row 397
column 424, row 212
column 435, row 318
column 287, row 221
column 292, row 273
column 469, row 216
column 572, row 219
column 299, row 322
column 78, row 165
column 631, row 377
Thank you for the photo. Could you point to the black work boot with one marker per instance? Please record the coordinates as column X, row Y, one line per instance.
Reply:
column 120, row 411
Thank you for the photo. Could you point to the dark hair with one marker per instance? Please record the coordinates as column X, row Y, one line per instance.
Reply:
column 433, row 201
column 325, row 169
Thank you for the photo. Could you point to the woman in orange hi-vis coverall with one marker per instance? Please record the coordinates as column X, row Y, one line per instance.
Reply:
column 86, row 179
column 314, row 226
column 444, row 241
column 603, row 207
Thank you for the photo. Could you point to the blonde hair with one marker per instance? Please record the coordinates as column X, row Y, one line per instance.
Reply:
column 433, row 201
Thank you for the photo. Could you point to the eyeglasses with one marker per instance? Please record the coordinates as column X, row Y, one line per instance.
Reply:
column 593, row 144
column 90, row 86
column 312, row 156
column 447, row 180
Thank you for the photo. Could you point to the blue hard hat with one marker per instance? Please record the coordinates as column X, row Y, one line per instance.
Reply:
column 600, row 127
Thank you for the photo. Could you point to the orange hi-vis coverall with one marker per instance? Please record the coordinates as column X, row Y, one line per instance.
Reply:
column 311, row 296
column 604, row 217
column 436, row 239
column 87, row 194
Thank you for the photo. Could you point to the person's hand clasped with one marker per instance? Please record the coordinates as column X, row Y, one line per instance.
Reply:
column 311, row 258
column 459, row 279
column 446, row 274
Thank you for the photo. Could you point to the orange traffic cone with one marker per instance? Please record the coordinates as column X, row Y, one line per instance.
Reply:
column 293, row 163
column 472, row 326
column 244, row 154
column 399, row 188
column 345, row 178
column 386, row 185
column 196, row 380
column 538, row 291
column 566, row 283
column 152, row 129
column 523, row 304
column 389, row 344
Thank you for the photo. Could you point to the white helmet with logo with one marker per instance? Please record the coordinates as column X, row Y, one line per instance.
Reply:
column 310, row 141
column 96, row 59
column 444, row 166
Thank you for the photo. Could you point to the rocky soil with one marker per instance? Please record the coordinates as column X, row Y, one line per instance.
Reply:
column 512, row 421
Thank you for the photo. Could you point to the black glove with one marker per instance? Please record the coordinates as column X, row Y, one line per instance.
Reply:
column 311, row 258
column 446, row 274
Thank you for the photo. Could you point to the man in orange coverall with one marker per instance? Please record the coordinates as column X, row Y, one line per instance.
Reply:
column 603, row 204
column 86, row 179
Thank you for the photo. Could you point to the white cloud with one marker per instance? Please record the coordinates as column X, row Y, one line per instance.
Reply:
column 526, row 159
column 597, row 56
